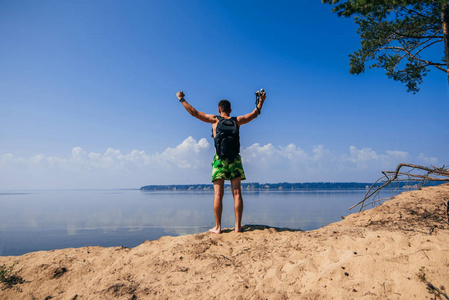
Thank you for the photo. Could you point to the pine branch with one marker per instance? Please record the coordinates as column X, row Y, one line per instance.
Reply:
column 416, row 13
column 408, row 53
column 440, row 37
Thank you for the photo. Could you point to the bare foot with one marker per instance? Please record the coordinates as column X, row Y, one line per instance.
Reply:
column 238, row 229
column 215, row 230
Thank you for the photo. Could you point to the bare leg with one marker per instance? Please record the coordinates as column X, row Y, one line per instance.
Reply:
column 218, row 204
column 238, row 203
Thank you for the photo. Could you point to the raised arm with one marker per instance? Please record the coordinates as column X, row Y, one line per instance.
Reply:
column 197, row 114
column 254, row 114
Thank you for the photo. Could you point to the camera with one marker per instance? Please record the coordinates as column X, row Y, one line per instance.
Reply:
column 259, row 93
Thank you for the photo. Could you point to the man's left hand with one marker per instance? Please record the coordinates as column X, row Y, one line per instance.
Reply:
column 180, row 95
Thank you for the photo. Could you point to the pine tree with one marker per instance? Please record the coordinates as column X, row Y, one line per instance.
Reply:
column 396, row 36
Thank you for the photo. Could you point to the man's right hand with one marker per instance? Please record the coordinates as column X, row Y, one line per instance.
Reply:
column 180, row 95
column 263, row 96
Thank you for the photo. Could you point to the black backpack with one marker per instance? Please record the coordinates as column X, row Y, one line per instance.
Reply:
column 227, row 138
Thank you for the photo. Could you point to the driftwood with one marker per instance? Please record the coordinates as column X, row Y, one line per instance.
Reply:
column 412, row 174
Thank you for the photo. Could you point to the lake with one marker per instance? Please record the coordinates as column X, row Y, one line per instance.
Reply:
column 46, row 220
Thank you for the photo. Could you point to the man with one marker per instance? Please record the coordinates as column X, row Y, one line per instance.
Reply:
column 225, row 169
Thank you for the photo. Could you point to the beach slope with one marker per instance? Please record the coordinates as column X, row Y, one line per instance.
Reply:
column 398, row 250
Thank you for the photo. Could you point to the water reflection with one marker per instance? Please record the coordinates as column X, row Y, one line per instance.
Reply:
column 44, row 220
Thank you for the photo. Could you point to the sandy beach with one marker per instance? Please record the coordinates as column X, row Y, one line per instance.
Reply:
column 381, row 253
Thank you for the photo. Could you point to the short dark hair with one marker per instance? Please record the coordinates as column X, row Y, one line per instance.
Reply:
column 225, row 106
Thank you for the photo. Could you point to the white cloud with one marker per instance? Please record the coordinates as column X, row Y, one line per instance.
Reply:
column 291, row 163
column 427, row 160
column 368, row 158
column 363, row 155
column 184, row 163
column 190, row 162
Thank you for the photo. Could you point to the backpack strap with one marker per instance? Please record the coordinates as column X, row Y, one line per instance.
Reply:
column 219, row 119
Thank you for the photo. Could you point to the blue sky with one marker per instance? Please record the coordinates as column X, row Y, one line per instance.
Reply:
column 87, row 95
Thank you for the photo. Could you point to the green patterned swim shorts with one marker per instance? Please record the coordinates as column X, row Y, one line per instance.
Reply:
column 223, row 169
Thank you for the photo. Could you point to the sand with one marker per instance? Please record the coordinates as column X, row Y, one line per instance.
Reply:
column 375, row 254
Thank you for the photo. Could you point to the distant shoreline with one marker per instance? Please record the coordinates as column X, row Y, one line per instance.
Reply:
column 284, row 186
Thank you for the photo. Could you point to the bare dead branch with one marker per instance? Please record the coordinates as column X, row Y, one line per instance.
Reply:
column 397, row 176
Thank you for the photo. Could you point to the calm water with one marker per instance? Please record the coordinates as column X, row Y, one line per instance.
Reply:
column 45, row 220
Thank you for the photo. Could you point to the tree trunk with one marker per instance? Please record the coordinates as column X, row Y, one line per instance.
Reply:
column 445, row 19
